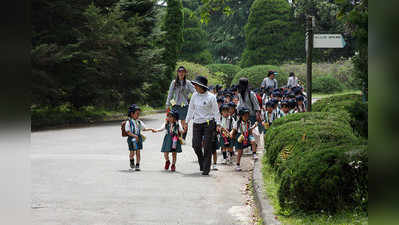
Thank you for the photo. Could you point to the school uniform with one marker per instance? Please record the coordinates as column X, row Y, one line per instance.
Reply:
column 179, row 94
column 269, row 118
column 243, row 128
column 135, row 127
column 204, row 112
column 171, row 131
column 301, row 108
column 227, row 123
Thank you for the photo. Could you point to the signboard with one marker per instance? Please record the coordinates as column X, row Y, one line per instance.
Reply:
column 327, row 41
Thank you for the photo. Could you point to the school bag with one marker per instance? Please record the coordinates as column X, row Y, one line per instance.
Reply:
column 124, row 133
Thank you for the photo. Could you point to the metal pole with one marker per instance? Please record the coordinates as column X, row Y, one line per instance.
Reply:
column 309, row 26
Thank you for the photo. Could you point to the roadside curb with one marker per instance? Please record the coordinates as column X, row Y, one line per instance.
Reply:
column 266, row 211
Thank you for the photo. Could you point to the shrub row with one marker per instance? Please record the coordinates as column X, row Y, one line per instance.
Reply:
column 351, row 104
column 320, row 163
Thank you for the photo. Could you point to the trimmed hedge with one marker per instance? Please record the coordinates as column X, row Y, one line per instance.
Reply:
column 228, row 70
column 256, row 74
column 326, row 84
column 351, row 104
column 330, row 179
column 300, row 136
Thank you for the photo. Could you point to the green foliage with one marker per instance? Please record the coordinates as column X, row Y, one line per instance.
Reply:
column 194, row 70
column 326, row 84
column 266, row 33
column 195, row 41
column 256, row 74
column 341, row 70
column 351, row 104
column 172, row 42
column 355, row 17
column 228, row 71
column 303, row 135
column 329, row 179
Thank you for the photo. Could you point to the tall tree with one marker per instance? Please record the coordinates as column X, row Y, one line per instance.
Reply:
column 195, row 44
column 173, row 27
column 266, row 33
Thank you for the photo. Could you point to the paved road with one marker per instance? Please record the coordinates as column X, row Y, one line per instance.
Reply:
column 80, row 176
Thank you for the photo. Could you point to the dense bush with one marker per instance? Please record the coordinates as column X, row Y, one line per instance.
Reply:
column 256, row 74
column 194, row 70
column 352, row 104
column 328, row 179
column 228, row 70
column 339, row 116
column 326, row 84
column 304, row 135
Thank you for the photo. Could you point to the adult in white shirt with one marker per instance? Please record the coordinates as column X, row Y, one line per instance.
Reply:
column 204, row 112
column 292, row 80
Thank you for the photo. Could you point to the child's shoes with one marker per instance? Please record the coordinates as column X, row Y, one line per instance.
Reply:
column 167, row 164
column 173, row 168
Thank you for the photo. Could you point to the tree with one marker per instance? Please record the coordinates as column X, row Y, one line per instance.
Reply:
column 355, row 16
column 173, row 27
column 266, row 33
column 195, row 44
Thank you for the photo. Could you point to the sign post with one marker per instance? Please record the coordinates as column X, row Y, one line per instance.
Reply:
column 309, row 27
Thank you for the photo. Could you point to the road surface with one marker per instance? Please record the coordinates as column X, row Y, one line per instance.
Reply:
column 81, row 176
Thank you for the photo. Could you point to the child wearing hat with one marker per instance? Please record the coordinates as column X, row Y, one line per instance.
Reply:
column 135, row 139
column 172, row 141
column 284, row 109
column 243, row 131
column 300, row 104
column 292, row 106
column 269, row 116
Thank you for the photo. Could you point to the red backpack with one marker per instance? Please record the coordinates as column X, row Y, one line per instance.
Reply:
column 124, row 133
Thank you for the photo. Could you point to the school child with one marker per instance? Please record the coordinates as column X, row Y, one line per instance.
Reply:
column 292, row 106
column 244, row 137
column 220, row 100
column 269, row 116
column 300, row 104
column 227, row 97
column 226, row 136
column 133, row 128
column 171, row 141
column 232, row 110
column 284, row 109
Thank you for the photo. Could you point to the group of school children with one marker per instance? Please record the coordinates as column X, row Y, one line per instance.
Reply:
column 237, row 127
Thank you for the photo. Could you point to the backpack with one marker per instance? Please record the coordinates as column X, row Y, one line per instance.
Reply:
column 124, row 133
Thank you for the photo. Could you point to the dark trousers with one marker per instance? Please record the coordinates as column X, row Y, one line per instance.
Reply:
column 206, row 131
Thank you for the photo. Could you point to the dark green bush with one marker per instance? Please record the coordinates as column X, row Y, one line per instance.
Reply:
column 352, row 104
column 228, row 70
column 339, row 116
column 256, row 74
column 330, row 179
column 303, row 135
column 326, row 84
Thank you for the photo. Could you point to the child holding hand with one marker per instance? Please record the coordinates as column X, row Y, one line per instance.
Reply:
column 172, row 140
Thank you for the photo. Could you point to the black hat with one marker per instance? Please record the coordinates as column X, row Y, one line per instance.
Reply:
column 292, row 103
column 174, row 113
column 181, row 68
column 132, row 109
column 220, row 99
column 201, row 81
column 218, row 87
column 243, row 110
column 232, row 104
column 224, row 107
column 270, row 73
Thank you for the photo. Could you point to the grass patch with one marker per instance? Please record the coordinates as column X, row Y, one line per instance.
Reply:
column 319, row 95
column 298, row 218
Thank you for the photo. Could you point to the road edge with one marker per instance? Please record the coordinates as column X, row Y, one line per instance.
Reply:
column 266, row 210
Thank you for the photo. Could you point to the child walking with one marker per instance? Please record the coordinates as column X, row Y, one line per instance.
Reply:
column 226, row 136
column 244, row 135
column 171, row 141
column 133, row 128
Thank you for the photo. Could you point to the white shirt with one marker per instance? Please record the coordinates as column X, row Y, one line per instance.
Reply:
column 136, row 126
column 292, row 82
column 225, row 123
column 202, row 108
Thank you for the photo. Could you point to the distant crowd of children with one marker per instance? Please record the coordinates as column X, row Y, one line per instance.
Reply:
column 245, row 114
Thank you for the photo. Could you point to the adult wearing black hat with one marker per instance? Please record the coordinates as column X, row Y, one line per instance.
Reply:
column 204, row 111
column 270, row 82
column 179, row 90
